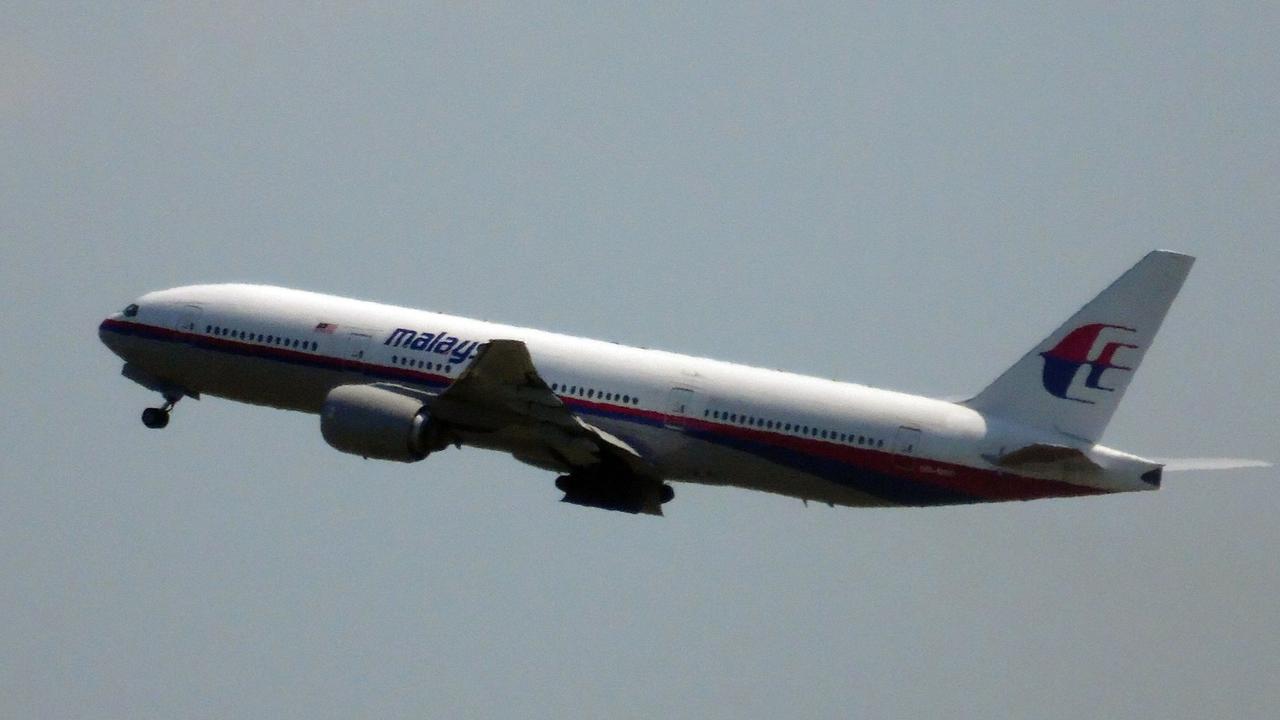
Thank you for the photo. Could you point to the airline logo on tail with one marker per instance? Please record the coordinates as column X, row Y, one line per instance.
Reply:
column 1063, row 362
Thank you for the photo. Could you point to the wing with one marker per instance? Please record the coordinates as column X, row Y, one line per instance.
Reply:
column 501, row 401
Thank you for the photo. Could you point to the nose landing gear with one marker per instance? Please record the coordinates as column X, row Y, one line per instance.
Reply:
column 156, row 418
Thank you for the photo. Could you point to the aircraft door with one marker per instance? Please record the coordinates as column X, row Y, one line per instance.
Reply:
column 357, row 350
column 681, row 403
column 188, row 319
column 906, row 445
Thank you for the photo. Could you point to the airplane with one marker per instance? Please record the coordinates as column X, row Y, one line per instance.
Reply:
column 619, row 423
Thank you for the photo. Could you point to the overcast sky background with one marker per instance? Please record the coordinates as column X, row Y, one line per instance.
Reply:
column 908, row 196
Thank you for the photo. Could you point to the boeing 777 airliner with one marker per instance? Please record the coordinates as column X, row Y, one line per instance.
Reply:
column 617, row 422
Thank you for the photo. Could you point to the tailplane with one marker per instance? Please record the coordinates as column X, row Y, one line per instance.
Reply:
column 1074, row 379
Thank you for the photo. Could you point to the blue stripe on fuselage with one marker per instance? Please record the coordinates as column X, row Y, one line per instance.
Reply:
column 889, row 487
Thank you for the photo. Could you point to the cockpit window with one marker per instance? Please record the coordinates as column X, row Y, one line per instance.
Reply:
column 131, row 311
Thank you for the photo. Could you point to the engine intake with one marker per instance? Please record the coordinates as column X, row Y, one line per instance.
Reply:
column 374, row 422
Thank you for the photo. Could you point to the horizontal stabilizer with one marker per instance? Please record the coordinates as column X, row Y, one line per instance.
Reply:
column 1208, row 463
column 1041, row 455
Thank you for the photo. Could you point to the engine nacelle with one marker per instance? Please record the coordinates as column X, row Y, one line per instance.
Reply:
column 376, row 423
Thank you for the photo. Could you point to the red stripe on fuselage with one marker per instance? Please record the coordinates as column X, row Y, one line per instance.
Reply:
column 980, row 484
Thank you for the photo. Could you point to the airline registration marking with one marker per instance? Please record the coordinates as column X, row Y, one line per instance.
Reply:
column 934, row 470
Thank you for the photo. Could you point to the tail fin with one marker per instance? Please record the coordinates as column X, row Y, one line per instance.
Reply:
column 1074, row 379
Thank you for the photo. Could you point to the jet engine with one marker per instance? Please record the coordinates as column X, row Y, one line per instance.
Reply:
column 378, row 423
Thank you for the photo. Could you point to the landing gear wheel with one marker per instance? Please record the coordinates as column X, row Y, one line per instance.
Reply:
column 155, row 418
column 666, row 494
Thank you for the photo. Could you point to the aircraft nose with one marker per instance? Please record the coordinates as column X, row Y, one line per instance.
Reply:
column 114, row 327
column 105, row 333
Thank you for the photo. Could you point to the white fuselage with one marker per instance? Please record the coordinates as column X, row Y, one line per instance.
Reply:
column 695, row 419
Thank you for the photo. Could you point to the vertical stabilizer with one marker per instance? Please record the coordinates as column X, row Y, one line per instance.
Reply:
column 1074, row 379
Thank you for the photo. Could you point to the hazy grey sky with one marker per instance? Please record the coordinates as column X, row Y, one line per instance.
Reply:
column 908, row 196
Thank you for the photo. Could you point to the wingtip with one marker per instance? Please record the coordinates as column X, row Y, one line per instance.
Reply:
column 1173, row 255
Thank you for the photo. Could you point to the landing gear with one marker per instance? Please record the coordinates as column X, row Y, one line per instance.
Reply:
column 621, row 492
column 156, row 418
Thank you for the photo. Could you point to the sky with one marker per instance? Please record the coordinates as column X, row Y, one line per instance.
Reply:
column 903, row 195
